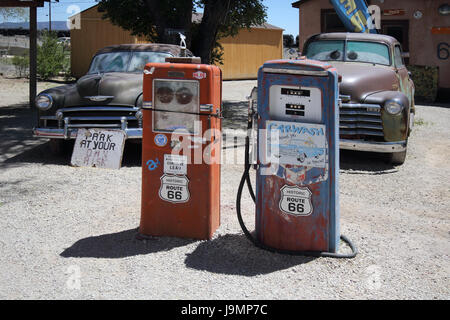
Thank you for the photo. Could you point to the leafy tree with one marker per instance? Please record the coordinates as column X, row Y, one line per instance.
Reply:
column 21, row 64
column 288, row 40
column 50, row 56
column 13, row 13
column 159, row 20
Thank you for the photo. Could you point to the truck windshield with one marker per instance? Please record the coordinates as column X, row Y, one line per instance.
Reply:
column 357, row 51
column 125, row 61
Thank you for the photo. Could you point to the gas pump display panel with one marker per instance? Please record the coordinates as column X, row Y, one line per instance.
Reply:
column 295, row 102
column 181, row 99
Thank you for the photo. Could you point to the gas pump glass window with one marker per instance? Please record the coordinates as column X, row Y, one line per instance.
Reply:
column 181, row 98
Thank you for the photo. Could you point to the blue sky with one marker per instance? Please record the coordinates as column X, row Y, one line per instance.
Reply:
column 279, row 13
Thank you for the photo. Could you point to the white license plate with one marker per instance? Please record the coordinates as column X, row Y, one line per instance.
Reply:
column 98, row 148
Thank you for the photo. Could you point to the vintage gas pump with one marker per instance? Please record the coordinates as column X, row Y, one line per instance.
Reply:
column 297, row 153
column 181, row 149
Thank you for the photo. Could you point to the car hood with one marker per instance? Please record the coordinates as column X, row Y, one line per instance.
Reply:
column 119, row 89
column 362, row 79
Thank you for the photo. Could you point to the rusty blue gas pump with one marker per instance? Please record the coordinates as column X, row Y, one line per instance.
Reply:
column 295, row 111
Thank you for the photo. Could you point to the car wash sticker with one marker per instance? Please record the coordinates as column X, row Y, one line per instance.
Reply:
column 296, row 144
column 295, row 174
column 296, row 200
column 160, row 140
column 175, row 164
column 174, row 189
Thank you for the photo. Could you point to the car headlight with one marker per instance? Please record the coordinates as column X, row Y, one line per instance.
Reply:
column 393, row 107
column 44, row 101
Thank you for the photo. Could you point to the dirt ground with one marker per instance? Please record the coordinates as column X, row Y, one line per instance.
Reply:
column 69, row 233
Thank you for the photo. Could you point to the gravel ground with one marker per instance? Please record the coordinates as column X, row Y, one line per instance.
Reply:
column 69, row 233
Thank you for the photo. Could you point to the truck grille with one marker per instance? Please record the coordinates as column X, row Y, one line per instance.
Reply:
column 360, row 121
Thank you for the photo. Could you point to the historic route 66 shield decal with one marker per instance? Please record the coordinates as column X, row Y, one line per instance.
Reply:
column 174, row 188
column 296, row 200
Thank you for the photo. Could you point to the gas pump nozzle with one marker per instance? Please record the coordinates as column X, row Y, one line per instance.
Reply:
column 251, row 128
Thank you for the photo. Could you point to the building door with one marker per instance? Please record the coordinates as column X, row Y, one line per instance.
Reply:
column 399, row 29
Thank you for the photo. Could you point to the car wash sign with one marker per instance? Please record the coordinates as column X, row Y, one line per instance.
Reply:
column 302, row 144
column 354, row 14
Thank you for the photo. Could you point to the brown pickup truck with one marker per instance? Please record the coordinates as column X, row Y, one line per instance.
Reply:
column 376, row 91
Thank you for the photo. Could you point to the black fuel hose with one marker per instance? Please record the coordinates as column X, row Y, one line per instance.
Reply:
column 246, row 179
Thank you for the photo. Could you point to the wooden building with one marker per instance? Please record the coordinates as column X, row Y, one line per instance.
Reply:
column 243, row 54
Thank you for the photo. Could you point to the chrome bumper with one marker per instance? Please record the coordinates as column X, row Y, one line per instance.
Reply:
column 71, row 133
column 361, row 145
column 68, row 126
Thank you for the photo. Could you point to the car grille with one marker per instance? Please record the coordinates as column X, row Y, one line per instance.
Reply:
column 94, row 117
column 360, row 121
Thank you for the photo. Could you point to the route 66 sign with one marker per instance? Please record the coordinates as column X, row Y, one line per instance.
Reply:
column 296, row 200
column 174, row 188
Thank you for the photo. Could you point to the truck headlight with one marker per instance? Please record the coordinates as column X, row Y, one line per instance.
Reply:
column 44, row 101
column 393, row 107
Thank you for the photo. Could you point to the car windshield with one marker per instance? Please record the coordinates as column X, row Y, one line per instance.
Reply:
column 126, row 61
column 357, row 51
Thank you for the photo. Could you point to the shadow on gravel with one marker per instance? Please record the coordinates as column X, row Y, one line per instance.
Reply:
column 42, row 154
column 235, row 115
column 234, row 254
column 357, row 162
column 38, row 154
column 120, row 245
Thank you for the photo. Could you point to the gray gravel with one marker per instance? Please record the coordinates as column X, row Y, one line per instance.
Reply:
column 69, row 233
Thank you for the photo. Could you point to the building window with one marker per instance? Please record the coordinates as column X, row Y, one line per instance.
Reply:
column 330, row 21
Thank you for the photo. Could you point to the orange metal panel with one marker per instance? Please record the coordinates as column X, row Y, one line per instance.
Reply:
column 199, row 216
column 440, row 30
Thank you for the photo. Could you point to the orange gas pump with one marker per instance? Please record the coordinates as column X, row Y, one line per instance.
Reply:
column 181, row 148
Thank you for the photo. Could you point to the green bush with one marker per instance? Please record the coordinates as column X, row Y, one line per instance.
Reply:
column 66, row 67
column 50, row 57
column 21, row 64
column 426, row 82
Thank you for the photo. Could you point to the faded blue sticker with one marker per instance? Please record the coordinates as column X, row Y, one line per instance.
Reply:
column 153, row 164
column 160, row 140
